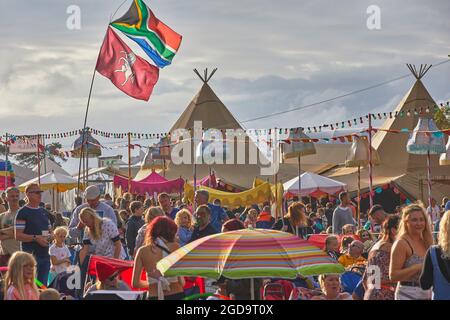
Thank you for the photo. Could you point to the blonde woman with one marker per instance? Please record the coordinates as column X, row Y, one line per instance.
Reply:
column 294, row 221
column 19, row 280
column 101, row 233
column 183, row 219
column 330, row 284
column 150, row 214
column 436, row 267
column 408, row 252
column 252, row 217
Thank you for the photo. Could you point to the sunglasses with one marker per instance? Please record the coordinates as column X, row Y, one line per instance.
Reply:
column 35, row 192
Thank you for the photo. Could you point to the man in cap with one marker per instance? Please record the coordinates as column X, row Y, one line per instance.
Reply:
column 33, row 229
column 92, row 197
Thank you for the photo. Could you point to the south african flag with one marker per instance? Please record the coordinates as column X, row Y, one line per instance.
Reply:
column 159, row 41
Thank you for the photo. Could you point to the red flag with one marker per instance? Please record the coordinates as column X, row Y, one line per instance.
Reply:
column 127, row 71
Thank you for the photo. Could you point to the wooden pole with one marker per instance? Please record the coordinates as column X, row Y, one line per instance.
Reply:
column 6, row 160
column 164, row 168
column 429, row 178
column 358, row 211
column 129, row 162
column 38, row 160
column 299, row 178
column 370, row 161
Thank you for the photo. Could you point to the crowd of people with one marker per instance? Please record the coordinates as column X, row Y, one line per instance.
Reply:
column 394, row 254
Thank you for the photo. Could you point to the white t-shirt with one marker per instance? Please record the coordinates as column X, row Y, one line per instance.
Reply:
column 60, row 253
column 433, row 213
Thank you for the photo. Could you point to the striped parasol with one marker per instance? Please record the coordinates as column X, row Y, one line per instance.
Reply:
column 249, row 253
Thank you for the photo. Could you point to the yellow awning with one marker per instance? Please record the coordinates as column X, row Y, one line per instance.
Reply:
column 255, row 195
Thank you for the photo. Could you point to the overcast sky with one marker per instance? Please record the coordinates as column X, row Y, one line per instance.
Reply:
column 271, row 55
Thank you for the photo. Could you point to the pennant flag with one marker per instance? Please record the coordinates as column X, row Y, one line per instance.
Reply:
column 127, row 71
column 159, row 41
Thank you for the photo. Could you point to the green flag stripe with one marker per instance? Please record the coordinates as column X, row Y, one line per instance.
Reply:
column 157, row 44
column 144, row 12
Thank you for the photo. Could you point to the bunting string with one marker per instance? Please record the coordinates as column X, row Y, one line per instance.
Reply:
column 444, row 107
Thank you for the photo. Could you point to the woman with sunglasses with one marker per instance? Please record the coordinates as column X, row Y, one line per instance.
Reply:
column 107, row 279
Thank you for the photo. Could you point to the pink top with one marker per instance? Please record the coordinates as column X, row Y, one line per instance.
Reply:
column 30, row 293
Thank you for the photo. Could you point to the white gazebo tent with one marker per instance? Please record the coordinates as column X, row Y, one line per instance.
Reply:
column 313, row 185
column 57, row 182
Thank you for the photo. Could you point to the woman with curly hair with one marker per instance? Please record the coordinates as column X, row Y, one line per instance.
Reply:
column 183, row 219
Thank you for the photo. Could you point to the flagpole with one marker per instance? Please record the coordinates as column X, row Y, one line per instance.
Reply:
column 84, row 126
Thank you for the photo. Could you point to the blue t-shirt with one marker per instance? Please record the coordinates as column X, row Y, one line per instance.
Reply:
column 217, row 216
column 447, row 206
column 173, row 213
column 33, row 221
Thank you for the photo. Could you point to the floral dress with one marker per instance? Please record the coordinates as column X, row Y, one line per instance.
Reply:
column 380, row 258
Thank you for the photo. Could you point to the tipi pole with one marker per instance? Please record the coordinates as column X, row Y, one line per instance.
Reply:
column 370, row 161
column 429, row 178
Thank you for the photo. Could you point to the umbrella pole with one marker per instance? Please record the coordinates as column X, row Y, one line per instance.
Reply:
column 276, row 196
column 195, row 184
column 252, row 288
column 358, row 211
column 429, row 178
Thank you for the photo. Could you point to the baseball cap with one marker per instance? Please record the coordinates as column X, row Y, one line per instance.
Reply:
column 91, row 193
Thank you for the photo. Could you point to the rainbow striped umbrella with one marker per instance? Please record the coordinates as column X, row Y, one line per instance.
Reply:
column 249, row 253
